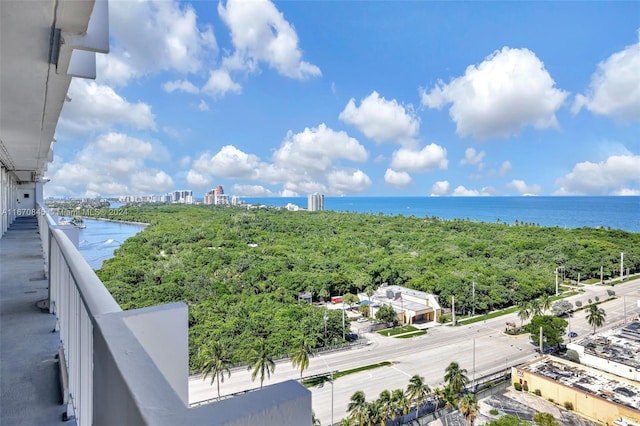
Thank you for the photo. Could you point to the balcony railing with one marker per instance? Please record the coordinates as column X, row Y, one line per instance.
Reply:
column 131, row 367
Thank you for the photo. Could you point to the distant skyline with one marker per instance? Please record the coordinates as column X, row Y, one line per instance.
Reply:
column 358, row 98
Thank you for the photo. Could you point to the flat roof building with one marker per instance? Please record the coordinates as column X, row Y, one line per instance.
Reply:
column 412, row 306
column 592, row 393
column 616, row 351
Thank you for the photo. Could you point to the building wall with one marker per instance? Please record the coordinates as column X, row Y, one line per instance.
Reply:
column 604, row 364
column 584, row 403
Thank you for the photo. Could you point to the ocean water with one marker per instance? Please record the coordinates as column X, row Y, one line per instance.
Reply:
column 100, row 238
column 566, row 212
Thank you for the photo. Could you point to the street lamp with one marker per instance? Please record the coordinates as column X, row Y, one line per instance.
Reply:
column 331, row 380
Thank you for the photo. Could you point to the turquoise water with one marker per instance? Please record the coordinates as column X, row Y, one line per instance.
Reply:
column 100, row 238
column 566, row 212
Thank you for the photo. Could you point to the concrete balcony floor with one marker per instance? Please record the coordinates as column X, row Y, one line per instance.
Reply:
column 29, row 384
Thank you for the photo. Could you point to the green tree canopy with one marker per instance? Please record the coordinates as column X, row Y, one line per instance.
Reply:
column 387, row 314
column 552, row 329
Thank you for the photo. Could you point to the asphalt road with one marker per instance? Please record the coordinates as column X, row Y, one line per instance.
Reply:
column 427, row 355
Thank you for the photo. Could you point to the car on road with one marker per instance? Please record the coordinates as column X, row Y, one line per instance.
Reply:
column 362, row 319
column 573, row 334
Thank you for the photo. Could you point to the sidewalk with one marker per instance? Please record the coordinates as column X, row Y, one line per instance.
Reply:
column 29, row 389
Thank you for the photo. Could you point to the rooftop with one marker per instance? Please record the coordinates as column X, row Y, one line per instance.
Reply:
column 609, row 387
column 395, row 296
column 620, row 344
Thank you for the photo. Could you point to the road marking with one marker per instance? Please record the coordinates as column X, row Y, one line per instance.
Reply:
column 403, row 372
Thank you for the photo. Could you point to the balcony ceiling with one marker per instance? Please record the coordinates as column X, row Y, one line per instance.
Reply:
column 32, row 91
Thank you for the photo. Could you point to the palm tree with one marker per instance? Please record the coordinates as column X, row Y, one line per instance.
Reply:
column 386, row 404
column 535, row 307
column 545, row 303
column 261, row 362
column 523, row 312
column 439, row 395
column 375, row 414
column 456, row 377
column 418, row 390
column 401, row 402
column 468, row 406
column 215, row 361
column 450, row 397
column 357, row 408
column 300, row 357
column 596, row 317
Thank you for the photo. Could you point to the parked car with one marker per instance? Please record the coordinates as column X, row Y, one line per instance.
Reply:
column 362, row 319
column 573, row 334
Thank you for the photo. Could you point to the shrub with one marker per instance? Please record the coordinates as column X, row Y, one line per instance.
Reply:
column 551, row 400
column 525, row 387
column 590, row 301
column 517, row 386
column 537, row 392
column 611, row 293
column 568, row 405
column 597, row 299
column 494, row 412
column 579, row 304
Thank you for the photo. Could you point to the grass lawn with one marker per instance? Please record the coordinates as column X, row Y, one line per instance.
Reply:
column 397, row 330
column 314, row 381
column 414, row 334
column 511, row 310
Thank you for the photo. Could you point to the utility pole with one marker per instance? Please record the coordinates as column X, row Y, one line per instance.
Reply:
column 473, row 382
column 541, row 347
column 453, row 310
column 473, row 291
column 343, row 336
column 621, row 266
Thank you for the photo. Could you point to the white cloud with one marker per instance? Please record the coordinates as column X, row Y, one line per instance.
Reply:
column 430, row 157
column 197, row 179
column 260, row 33
column 615, row 86
column 626, row 192
column 203, row 106
column 185, row 161
column 228, row 162
column 150, row 182
column 342, row 181
column 440, row 188
column 471, row 157
column 252, row 191
column 509, row 90
column 303, row 187
column 461, row 191
column 397, row 179
column 180, row 85
column 150, row 36
column 113, row 164
column 382, row 120
column 220, row 83
column 505, row 167
column 523, row 188
column 315, row 149
column 618, row 173
column 94, row 107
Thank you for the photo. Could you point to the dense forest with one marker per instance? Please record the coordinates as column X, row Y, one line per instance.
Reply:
column 240, row 270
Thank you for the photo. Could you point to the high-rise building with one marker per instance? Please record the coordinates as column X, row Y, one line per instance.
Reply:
column 216, row 196
column 315, row 202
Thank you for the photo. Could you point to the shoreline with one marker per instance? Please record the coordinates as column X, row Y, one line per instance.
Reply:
column 128, row 222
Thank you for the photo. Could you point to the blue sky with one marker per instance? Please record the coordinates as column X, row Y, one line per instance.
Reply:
column 358, row 98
